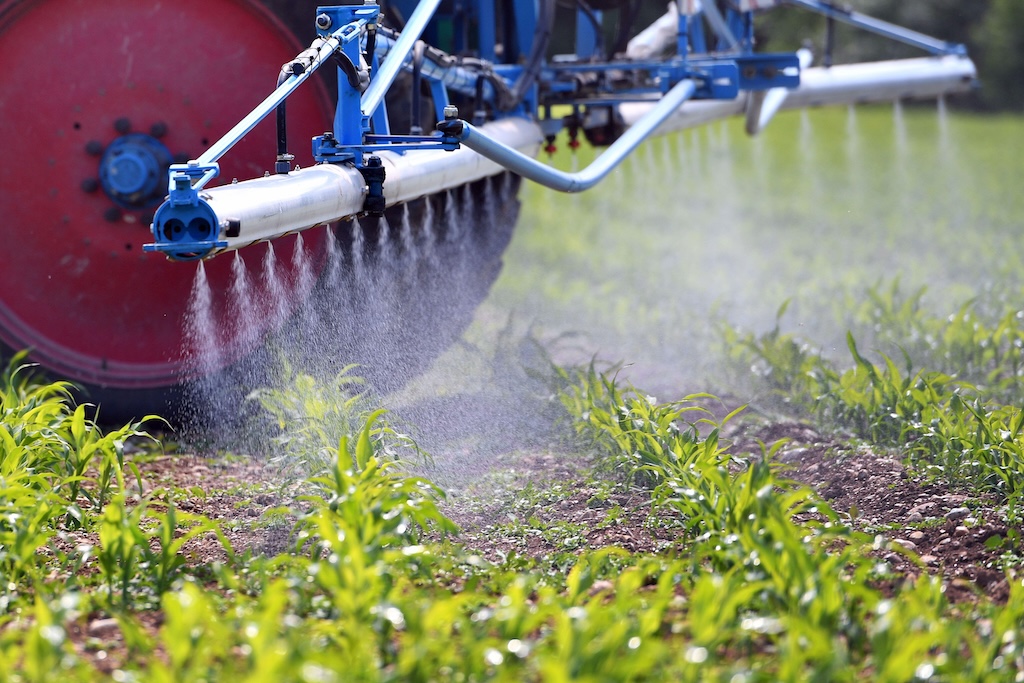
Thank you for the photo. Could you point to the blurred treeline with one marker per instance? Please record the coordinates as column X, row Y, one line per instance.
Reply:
column 992, row 30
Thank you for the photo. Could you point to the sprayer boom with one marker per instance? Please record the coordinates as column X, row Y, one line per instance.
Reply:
column 693, row 65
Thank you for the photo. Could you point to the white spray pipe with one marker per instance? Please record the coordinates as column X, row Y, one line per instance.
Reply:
column 276, row 205
column 922, row 78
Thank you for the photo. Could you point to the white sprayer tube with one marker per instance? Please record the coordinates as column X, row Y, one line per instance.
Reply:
column 924, row 77
column 276, row 205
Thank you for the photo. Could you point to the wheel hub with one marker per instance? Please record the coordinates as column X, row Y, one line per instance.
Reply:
column 132, row 170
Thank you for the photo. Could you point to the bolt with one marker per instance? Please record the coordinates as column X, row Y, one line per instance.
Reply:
column 112, row 214
column 451, row 112
column 323, row 22
column 94, row 148
column 158, row 129
column 122, row 125
column 90, row 185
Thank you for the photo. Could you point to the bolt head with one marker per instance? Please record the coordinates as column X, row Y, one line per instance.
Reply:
column 451, row 112
column 94, row 148
column 90, row 185
column 323, row 22
column 158, row 129
column 122, row 125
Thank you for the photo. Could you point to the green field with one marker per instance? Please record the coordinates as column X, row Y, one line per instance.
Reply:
column 565, row 525
column 710, row 225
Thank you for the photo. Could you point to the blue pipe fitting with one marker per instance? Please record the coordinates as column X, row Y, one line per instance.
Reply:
column 185, row 227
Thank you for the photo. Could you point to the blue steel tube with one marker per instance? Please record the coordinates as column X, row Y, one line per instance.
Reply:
column 583, row 180
column 388, row 71
column 882, row 28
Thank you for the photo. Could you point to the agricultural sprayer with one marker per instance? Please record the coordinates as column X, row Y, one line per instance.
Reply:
column 142, row 134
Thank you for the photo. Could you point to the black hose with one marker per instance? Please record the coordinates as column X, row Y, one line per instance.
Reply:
column 538, row 51
column 283, row 162
column 295, row 67
column 627, row 17
column 417, row 67
column 503, row 98
column 371, row 45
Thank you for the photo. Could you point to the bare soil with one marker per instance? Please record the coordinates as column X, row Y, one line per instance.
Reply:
column 930, row 529
column 941, row 531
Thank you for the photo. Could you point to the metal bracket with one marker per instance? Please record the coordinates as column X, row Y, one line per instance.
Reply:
column 374, row 174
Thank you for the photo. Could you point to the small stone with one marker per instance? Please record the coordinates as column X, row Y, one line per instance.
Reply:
column 102, row 627
column 909, row 545
column 958, row 513
column 917, row 536
column 961, row 531
column 601, row 586
column 921, row 508
column 915, row 517
column 929, row 559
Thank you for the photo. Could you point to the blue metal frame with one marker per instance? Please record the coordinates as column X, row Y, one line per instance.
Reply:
column 184, row 226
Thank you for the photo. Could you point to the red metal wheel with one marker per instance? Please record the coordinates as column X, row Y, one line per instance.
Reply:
column 80, row 80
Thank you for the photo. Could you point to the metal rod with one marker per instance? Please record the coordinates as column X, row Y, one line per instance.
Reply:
column 830, row 41
column 220, row 148
column 388, row 70
column 718, row 23
column 538, row 172
column 882, row 28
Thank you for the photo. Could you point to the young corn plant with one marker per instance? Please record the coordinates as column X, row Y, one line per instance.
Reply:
column 46, row 450
column 882, row 404
column 973, row 443
column 379, row 506
column 639, row 433
column 980, row 343
column 311, row 417
column 790, row 369
column 809, row 570
column 141, row 547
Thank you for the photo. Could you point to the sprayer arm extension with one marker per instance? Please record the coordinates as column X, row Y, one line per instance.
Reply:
column 541, row 173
